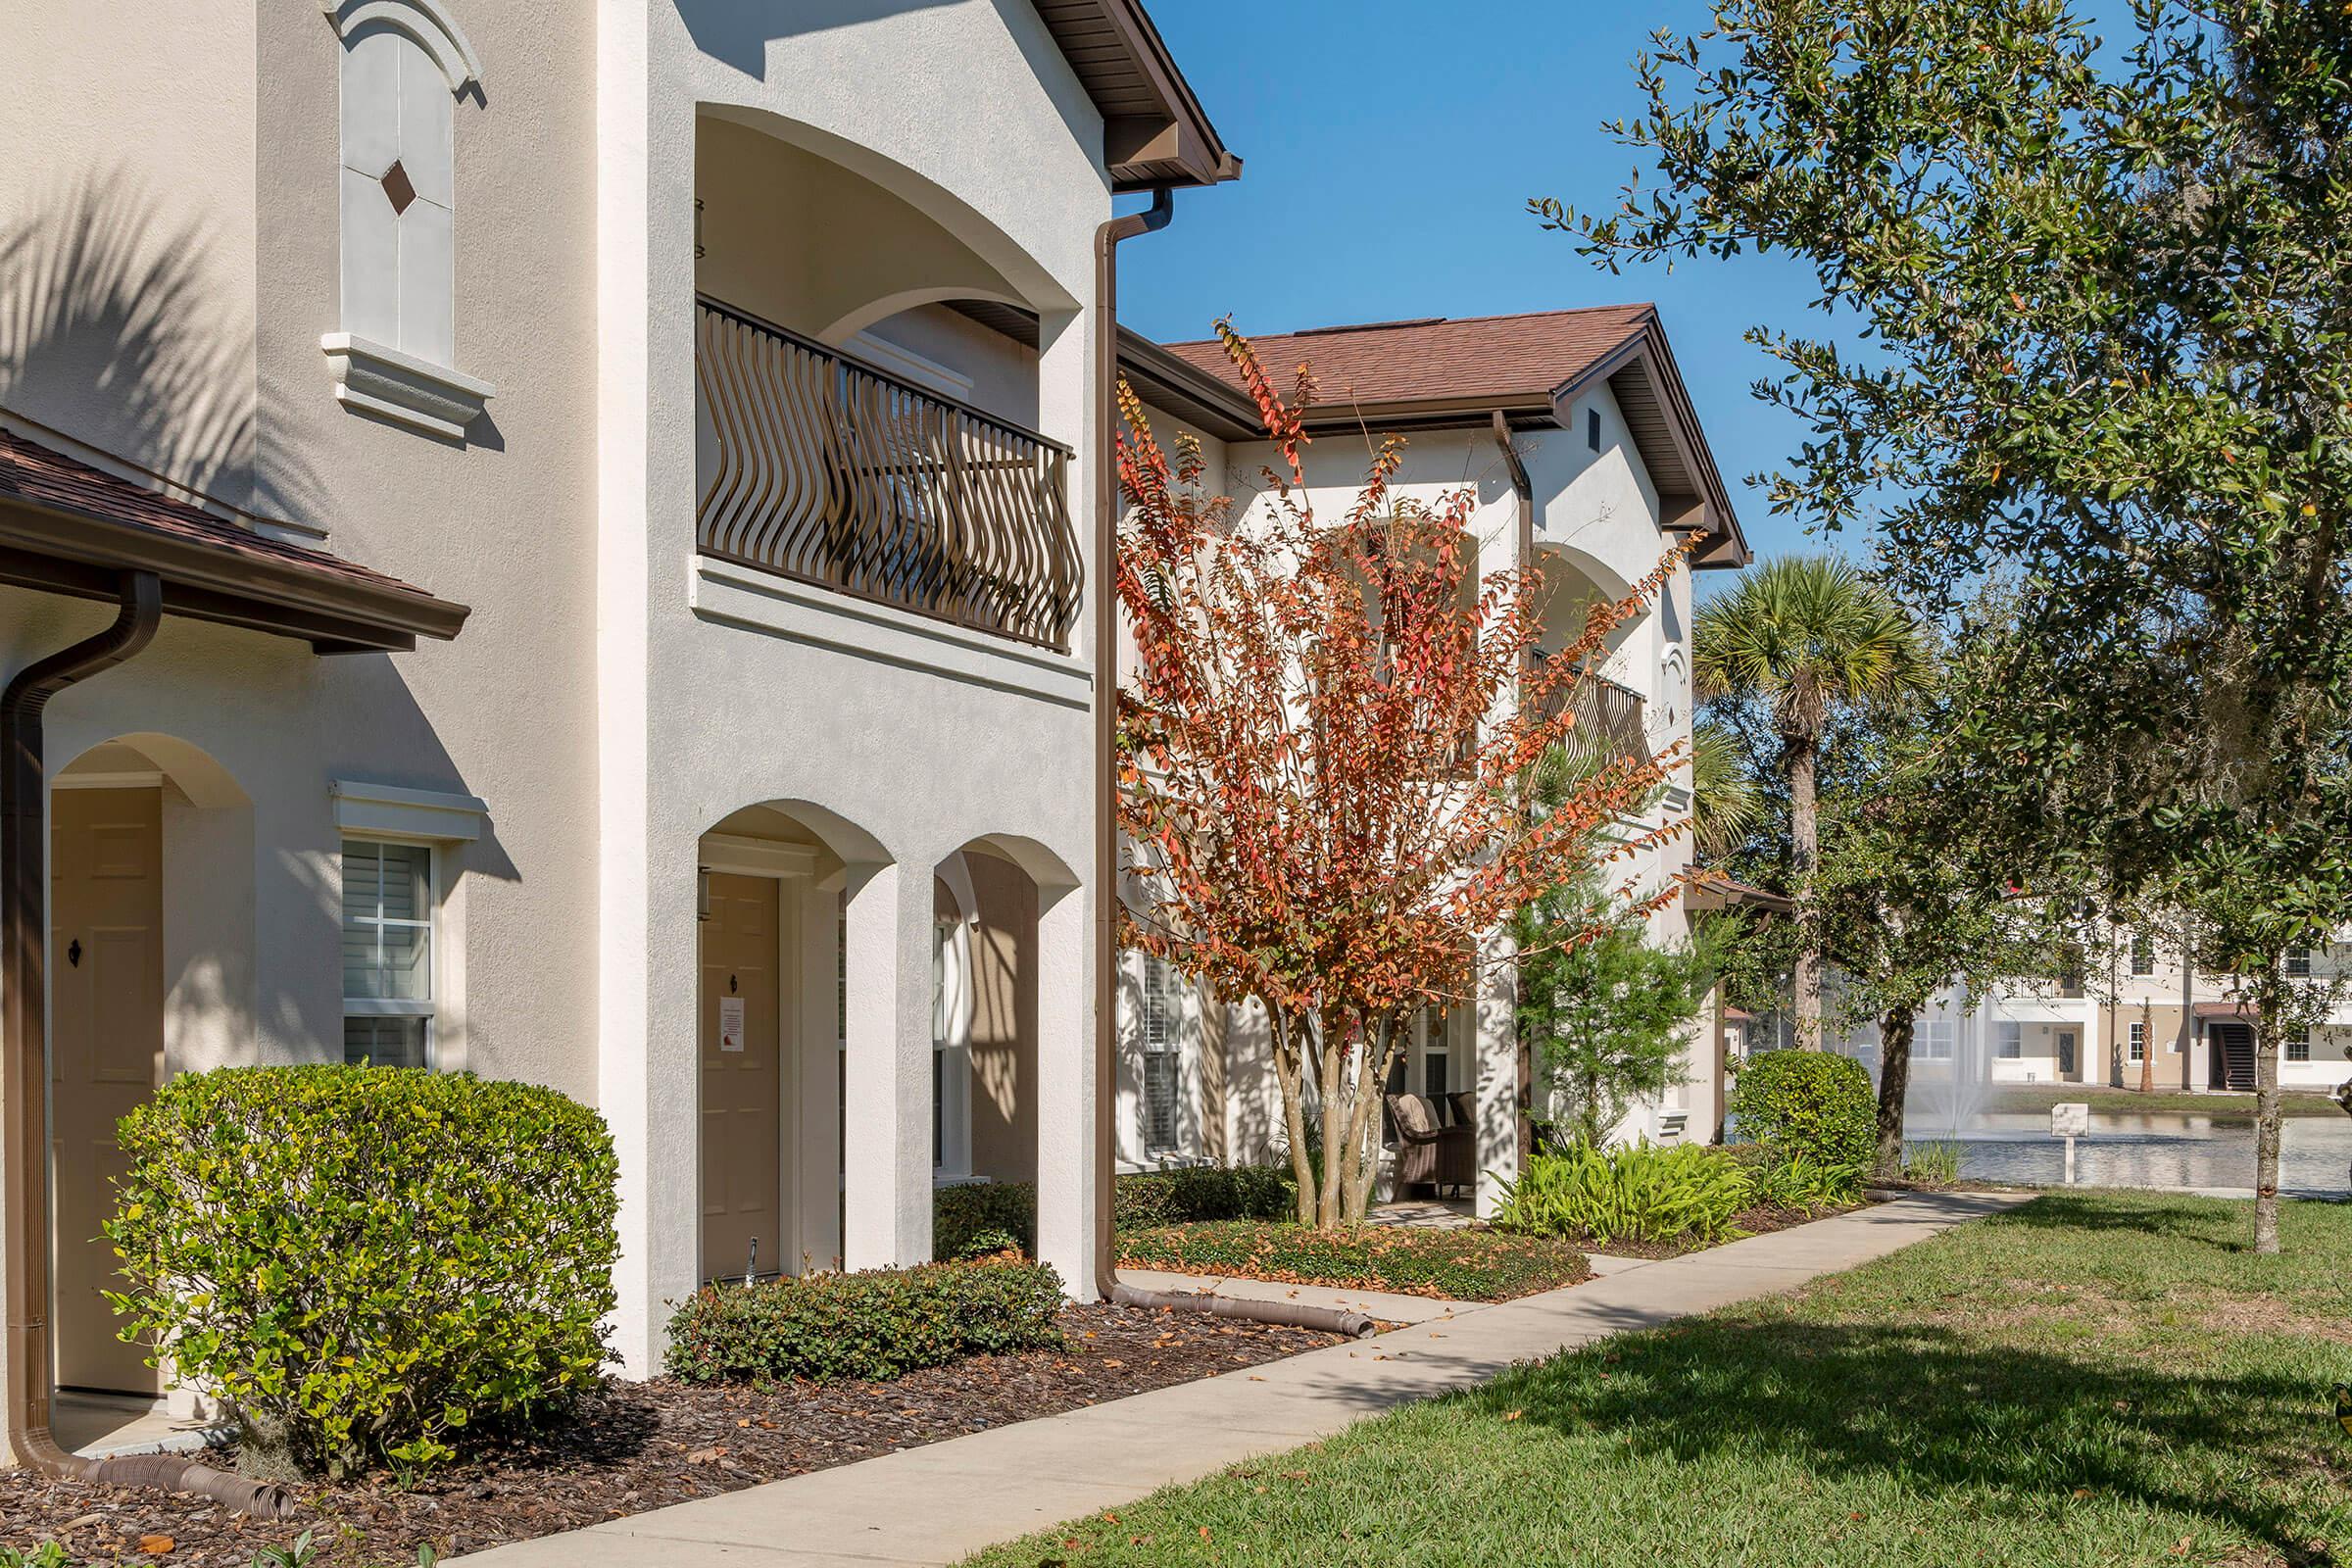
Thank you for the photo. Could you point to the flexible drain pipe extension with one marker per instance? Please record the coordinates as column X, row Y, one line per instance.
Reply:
column 25, row 1360
column 1329, row 1320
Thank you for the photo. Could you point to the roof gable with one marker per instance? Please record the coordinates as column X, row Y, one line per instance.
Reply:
column 1440, row 374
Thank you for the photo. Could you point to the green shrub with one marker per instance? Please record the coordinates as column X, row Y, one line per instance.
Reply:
column 1202, row 1192
column 1641, row 1192
column 874, row 1325
column 965, row 1216
column 365, row 1266
column 1785, row 1180
column 1465, row 1265
column 1813, row 1104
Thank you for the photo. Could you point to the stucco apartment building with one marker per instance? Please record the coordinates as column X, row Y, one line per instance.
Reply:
column 589, row 608
column 1576, row 433
column 2121, row 1026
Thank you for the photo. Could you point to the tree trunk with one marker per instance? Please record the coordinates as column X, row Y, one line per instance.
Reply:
column 1805, row 844
column 1288, row 1077
column 1331, row 1062
column 2147, row 1051
column 1894, row 1082
column 2266, row 1108
column 2188, row 1006
column 1364, row 1135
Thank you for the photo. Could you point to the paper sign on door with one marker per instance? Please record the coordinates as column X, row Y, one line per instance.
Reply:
column 730, row 1023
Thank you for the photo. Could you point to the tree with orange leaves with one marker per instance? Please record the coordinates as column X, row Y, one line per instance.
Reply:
column 1325, row 749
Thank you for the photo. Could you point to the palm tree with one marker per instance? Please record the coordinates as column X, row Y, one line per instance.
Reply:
column 1725, row 802
column 1803, row 636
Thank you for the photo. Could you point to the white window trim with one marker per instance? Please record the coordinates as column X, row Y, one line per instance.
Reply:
column 952, row 1047
column 424, row 22
column 2136, row 1041
column 365, row 811
column 1181, row 1031
column 429, row 1008
column 380, row 380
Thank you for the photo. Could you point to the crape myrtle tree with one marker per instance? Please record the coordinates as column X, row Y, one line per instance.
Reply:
column 2097, row 292
column 1323, row 772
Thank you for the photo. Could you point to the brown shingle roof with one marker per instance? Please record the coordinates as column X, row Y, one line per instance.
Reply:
column 1486, row 358
column 66, row 525
column 32, row 473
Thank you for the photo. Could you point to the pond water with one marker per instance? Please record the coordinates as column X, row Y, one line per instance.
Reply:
column 2315, row 1154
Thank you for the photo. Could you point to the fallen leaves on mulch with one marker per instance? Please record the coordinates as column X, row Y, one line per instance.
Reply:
column 634, row 1447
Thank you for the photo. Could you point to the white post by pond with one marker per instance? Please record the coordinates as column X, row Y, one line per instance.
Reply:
column 2070, row 1121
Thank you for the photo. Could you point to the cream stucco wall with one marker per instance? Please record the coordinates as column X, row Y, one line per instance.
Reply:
column 607, row 701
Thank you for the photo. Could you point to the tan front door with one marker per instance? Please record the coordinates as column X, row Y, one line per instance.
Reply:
column 106, row 1051
column 742, row 1108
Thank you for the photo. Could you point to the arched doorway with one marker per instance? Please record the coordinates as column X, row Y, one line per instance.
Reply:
column 771, row 1020
column 148, row 924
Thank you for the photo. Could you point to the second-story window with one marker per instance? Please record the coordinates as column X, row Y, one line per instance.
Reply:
column 2143, row 955
column 2298, row 961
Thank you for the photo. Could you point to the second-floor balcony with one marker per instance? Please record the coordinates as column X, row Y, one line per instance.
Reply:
column 1612, row 720
column 822, row 467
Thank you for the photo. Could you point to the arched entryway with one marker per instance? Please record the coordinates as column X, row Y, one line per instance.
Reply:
column 771, row 907
column 150, row 972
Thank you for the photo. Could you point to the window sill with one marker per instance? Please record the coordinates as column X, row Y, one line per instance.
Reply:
column 402, row 388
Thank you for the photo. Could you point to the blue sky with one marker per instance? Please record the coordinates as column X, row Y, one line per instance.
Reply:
column 1390, row 148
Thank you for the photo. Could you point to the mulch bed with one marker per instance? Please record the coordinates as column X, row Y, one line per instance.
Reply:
column 1761, row 1220
column 642, row 1445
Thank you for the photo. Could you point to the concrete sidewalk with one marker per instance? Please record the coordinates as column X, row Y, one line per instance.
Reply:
column 938, row 1504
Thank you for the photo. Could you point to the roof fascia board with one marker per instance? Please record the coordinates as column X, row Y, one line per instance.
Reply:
column 1191, row 141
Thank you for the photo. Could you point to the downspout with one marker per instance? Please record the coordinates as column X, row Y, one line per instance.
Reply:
column 1106, row 809
column 25, row 1361
column 1524, row 490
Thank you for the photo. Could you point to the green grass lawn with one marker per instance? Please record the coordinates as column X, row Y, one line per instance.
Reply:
column 2104, row 1100
column 2097, row 1378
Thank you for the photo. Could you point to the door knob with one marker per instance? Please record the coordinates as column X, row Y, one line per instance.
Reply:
column 73, row 953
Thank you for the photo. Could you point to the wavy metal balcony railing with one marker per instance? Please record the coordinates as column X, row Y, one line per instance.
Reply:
column 838, row 473
column 1612, row 719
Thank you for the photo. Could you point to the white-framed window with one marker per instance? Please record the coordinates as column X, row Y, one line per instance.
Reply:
column 2012, row 1042
column 2143, row 955
column 1437, row 1070
column 2135, row 1043
column 2298, row 1048
column 389, row 899
column 1163, row 1054
column 2298, row 961
column 1934, row 1040
column 950, row 1048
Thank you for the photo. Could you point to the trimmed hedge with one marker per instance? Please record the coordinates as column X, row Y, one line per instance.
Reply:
column 1199, row 1194
column 873, row 1326
column 1457, row 1265
column 367, row 1265
column 968, row 1220
column 1813, row 1104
